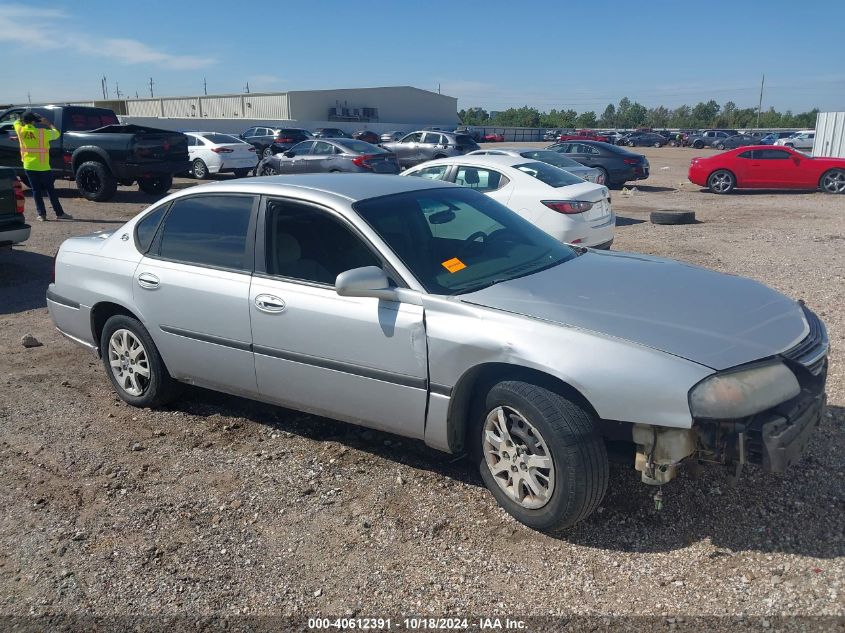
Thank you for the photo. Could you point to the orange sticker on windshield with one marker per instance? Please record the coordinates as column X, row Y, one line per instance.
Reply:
column 453, row 265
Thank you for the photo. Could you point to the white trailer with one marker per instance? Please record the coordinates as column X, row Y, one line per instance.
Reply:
column 830, row 135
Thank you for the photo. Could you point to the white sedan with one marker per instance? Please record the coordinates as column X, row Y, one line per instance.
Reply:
column 799, row 140
column 215, row 153
column 563, row 205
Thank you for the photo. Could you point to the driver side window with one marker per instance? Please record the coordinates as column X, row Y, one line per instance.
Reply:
column 306, row 243
column 413, row 138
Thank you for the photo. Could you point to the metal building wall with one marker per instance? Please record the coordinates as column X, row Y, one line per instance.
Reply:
column 187, row 107
column 143, row 107
column 258, row 106
column 830, row 134
column 223, row 107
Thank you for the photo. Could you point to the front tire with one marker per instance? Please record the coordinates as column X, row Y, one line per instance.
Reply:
column 721, row 181
column 95, row 182
column 539, row 455
column 657, row 143
column 720, row 146
column 155, row 185
column 833, row 181
column 698, row 145
column 134, row 365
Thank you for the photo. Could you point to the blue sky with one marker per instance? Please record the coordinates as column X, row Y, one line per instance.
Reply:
column 495, row 54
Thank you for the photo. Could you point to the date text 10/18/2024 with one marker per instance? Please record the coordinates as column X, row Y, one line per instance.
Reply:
column 417, row 624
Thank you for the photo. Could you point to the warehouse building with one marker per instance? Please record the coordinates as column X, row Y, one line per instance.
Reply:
column 393, row 104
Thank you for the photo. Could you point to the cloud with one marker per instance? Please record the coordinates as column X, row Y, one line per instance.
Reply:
column 54, row 34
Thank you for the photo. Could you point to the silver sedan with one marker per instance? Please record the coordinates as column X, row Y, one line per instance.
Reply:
column 330, row 156
column 432, row 311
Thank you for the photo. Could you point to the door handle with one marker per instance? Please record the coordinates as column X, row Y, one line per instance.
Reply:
column 148, row 280
column 269, row 303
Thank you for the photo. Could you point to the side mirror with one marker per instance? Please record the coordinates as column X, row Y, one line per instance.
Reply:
column 290, row 154
column 372, row 281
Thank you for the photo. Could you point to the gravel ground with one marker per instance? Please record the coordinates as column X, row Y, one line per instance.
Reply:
column 219, row 506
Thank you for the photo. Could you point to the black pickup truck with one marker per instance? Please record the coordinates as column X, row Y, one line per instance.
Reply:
column 99, row 153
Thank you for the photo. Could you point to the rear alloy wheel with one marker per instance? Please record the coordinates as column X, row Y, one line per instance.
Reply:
column 133, row 364
column 720, row 146
column 539, row 455
column 268, row 170
column 199, row 170
column 833, row 181
column 698, row 144
column 657, row 143
column 267, row 152
column 721, row 181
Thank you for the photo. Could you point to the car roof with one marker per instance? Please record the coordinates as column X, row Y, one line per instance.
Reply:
column 352, row 187
column 480, row 160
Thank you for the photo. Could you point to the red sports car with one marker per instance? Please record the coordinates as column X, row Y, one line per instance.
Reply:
column 767, row 167
column 493, row 138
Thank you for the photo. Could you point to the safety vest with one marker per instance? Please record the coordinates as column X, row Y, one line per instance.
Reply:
column 35, row 145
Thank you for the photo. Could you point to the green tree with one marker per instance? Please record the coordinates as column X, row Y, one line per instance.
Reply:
column 659, row 117
column 608, row 117
column 704, row 114
column 587, row 119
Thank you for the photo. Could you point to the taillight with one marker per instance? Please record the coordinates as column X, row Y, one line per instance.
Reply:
column 224, row 150
column 569, row 207
column 631, row 161
column 20, row 200
column 363, row 160
column 283, row 139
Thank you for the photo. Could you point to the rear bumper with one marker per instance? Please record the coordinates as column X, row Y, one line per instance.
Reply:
column 14, row 234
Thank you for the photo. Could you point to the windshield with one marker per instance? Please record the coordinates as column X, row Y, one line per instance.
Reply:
column 362, row 147
column 457, row 240
column 549, row 174
column 552, row 158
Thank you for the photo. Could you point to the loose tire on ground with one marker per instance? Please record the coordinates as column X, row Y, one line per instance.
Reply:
column 95, row 182
column 672, row 217
column 155, row 185
column 159, row 388
column 576, row 453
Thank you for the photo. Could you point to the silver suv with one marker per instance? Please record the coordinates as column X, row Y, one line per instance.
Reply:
column 432, row 311
column 418, row 147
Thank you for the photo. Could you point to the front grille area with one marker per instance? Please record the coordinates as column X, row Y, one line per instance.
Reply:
column 811, row 353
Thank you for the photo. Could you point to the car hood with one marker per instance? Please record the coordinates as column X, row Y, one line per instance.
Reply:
column 711, row 318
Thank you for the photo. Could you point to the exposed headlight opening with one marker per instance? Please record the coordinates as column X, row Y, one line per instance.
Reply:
column 744, row 392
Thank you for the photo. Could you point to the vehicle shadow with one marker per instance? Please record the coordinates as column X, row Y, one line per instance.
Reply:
column 621, row 220
column 24, row 276
column 764, row 192
column 760, row 512
column 651, row 188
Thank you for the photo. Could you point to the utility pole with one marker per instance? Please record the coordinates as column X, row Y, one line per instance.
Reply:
column 760, row 104
column 205, row 86
column 103, row 85
column 151, row 88
column 117, row 88
column 29, row 98
column 438, row 88
column 246, row 88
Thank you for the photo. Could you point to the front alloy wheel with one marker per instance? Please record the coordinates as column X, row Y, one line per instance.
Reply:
column 518, row 458
column 129, row 363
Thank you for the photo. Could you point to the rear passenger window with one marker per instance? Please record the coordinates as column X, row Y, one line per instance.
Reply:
column 208, row 231
column 432, row 173
column 146, row 229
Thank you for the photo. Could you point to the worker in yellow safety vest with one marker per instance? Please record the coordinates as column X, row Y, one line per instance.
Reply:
column 35, row 156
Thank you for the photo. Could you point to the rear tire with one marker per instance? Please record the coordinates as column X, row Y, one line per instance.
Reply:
column 657, row 143
column 720, row 146
column 721, row 181
column 550, row 464
column 199, row 169
column 698, row 145
column 267, row 152
column 95, row 182
column 133, row 364
column 268, row 170
column 155, row 185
